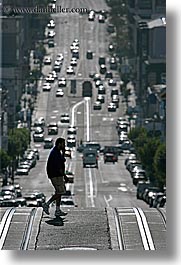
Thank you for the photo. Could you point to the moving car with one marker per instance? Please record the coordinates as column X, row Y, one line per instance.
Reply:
column 89, row 54
column 59, row 93
column 46, row 87
column 111, row 107
column 52, row 128
column 73, row 62
column 72, row 130
column 97, row 105
column 71, row 141
column 90, row 157
column 70, row 70
column 110, row 157
column 65, row 118
column 48, row 143
column 62, row 82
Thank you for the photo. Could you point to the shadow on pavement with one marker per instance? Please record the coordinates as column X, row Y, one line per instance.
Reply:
column 57, row 221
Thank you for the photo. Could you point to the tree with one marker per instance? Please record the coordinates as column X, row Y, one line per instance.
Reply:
column 4, row 160
column 160, row 165
column 18, row 140
column 147, row 153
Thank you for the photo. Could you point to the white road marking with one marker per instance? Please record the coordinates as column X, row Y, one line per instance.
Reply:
column 108, row 200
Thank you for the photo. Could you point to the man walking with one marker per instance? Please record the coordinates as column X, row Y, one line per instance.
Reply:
column 56, row 173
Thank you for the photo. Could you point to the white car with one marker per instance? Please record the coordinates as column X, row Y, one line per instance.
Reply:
column 46, row 87
column 60, row 57
column 71, row 130
column 62, row 82
column 70, row 70
column 73, row 62
column 51, row 24
column 47, row 60
column 50, row 78
column 111, row 107
column 59, row 93
column 65, row 118
column 51, row 34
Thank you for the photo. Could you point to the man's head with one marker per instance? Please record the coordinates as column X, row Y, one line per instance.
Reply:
column 60, row 143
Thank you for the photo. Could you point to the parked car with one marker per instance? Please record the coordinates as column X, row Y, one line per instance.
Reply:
column 39, row 122
column 148, row 192
column 38, row 135
column 138, row 177
column 67, row 201
column 47, row 60
column 46, row 87
column 141, row 186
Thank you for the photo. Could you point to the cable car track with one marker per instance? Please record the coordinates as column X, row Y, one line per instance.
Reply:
column 131, row 228
column 13, row 219
column 135, row 228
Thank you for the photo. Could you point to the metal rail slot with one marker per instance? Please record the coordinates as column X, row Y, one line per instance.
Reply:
column 5, row 224
column 163, row 216
column 119, row 230
column 27, row 231
column 144, row 229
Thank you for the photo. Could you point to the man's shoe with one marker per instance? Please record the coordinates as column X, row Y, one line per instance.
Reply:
column 60, row 213
column 46, row 208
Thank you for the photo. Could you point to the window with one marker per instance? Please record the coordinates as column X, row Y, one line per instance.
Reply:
column 160, row 3
column 144, row 4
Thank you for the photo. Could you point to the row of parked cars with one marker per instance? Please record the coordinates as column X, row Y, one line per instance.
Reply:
column 12, row 196
column 27, row 162
column 151, row 194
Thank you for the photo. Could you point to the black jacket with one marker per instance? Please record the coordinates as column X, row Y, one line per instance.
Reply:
column 55, row 164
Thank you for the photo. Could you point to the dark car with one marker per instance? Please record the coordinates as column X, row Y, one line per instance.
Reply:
column 138, row 177
column 109, row 75
column 51, row 44
column 103, row 69
column 97, row 105
column 110, row 157
column 141, row 186
column 89, row 54
column 100, row 98
column 101, row 90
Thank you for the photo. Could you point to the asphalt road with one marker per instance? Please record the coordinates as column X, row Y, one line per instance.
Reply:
column 111, row 184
